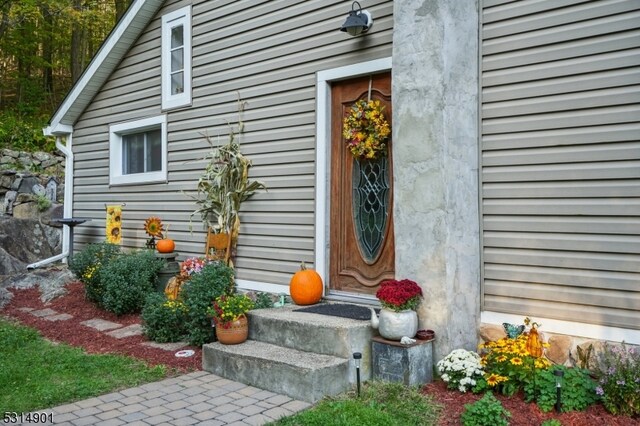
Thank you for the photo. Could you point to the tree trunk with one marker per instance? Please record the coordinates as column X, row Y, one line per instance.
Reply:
column 121, row 8
column 76, row 44
column 47, row 50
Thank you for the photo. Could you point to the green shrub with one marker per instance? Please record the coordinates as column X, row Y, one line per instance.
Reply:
column 263, row 300
column 578, row 389
column 127, row 281
column 43, row 202
column 487, row 411
column 619, row 384
column 198, row 294
column 551, row 422
column 86, row 267
column 23, row 133
column 163, row 320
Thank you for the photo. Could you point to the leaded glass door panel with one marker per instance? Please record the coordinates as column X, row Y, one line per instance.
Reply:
column 361, row 204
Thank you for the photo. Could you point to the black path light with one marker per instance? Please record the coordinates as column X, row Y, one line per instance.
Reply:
column 357, row 357
column 559, row 374
column 358, row 21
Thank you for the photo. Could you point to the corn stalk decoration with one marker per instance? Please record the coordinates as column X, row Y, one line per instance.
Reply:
column 225, row 185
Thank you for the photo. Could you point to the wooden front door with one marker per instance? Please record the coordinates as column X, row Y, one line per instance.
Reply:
column 361, row 220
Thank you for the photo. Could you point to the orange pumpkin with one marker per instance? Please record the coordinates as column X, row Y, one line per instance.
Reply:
column 165, row 246
column 306, row 286
column 534, row 344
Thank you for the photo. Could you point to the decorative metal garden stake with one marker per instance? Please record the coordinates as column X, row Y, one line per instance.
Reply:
column 559, row 375
column 357, row 356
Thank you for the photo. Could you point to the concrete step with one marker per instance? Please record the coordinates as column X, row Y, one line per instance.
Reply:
column 301, row 375
column 309, row 332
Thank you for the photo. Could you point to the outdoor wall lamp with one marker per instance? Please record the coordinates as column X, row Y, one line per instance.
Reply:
column 358, row 21
column 357, row 357
column 559, row 374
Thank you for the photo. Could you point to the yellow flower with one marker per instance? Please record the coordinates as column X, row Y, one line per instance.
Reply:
column 516, row 361
column 501, row 358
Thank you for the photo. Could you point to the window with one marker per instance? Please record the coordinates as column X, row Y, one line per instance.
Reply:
column 138, row 151
column 176, row 58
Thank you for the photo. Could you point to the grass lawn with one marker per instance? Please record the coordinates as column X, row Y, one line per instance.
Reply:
column 388, row 404
column 37, row 374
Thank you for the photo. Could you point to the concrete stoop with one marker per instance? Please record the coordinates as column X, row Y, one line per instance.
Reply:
column 305, row 356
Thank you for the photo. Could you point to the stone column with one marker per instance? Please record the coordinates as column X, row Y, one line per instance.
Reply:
column 435, row 163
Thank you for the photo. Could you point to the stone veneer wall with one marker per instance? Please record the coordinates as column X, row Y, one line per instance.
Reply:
column 435, row 163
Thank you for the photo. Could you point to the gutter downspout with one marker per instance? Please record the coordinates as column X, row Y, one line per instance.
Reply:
column 68, row 198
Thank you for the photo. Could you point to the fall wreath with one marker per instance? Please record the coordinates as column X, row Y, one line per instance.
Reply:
column 366, row 129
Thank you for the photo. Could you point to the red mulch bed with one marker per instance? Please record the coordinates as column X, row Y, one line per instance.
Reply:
column 522, row 413
column 93, row 341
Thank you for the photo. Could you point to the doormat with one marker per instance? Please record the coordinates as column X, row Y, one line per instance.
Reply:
column 340, row 310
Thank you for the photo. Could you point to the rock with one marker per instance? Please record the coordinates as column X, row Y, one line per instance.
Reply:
column 24, row 198
column 42, row 156
column 10, row 264
column 591, row 359
column 491, row 332
column 559, row 349
column 52, row 281
column 5, row 297
column 9, row 199
column 26, row 211
column 25, row 241
column 56, row 211
column 48, row 163
column 7, row 160
column 24, row 184
column 10, row 153
column 6, row 181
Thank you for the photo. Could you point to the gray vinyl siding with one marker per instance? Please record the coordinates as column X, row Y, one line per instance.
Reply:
column 269, row 52
column 560, row 159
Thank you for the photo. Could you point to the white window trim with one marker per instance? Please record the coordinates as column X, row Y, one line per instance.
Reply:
column 115, row 151
column 178, row 17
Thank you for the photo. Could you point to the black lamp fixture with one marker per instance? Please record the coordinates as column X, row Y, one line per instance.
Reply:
column 357, row 357
column 358, row 21
column 559, row 375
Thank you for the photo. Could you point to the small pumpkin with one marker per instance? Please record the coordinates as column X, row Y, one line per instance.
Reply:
column 534, row 344
column 306, row 286
column 165, row 245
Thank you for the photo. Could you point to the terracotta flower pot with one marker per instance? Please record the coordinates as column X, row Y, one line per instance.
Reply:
column 233, row 333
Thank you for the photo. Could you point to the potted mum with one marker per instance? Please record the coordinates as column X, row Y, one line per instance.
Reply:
column 399, row 300
column 230, row 319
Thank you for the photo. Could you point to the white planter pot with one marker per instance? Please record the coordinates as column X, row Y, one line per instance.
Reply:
column 395, row 325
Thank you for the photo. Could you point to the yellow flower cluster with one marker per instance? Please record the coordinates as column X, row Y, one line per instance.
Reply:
column 366, row 129
column 90, row 272
column 175, row 305
column 227, row 309
column 506, row 357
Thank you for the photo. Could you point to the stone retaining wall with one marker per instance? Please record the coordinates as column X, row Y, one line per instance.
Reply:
column 26, row 178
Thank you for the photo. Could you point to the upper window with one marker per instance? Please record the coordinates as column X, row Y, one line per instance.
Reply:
column 176, row 58
column 138, row 151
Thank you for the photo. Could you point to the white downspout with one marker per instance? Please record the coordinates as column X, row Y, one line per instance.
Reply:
column 68, row 200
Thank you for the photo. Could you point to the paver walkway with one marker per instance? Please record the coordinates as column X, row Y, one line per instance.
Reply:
column 195, row 398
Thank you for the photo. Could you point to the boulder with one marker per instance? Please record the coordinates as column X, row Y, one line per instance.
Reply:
column 590, row 355
column 26, row 211
column 25, row 241
column 491, row 332
column 559, row 348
